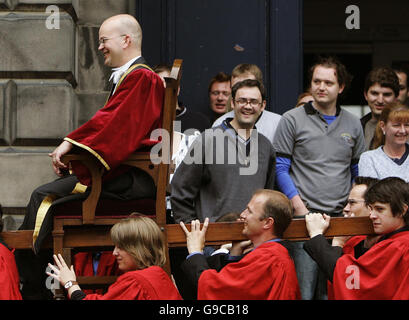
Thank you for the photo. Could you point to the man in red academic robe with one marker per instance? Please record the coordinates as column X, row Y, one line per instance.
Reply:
column 266, row 273
column 380, row 272
column 132, row 111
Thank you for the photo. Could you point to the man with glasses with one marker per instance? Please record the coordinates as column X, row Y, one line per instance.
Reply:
column 219, row 94
column 267, row 122
column 226, row 164
column 122, row 126
column 356, row 207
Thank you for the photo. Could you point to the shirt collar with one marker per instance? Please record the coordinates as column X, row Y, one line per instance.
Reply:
column 388, row 235
column 268, row 241
column 117, row 73
column 309, row 109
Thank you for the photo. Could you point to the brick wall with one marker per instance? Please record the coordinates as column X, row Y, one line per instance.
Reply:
column 51, row 81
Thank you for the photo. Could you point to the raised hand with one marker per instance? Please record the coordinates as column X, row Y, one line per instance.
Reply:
column 61, row 271
column 195, row 238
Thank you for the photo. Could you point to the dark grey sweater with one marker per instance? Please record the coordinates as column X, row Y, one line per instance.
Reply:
column 220, row 174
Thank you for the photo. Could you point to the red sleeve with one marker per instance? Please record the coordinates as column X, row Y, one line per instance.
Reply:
column 125, row 123
column 9, row 278
column 125, row 288
column 148, row 284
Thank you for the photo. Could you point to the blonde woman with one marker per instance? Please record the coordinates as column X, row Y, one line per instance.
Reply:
column 140, row 254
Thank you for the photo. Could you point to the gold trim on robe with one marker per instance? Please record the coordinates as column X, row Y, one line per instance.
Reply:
column 83, row 146
column 79, row 188
column 41, row 213
column 128, row 72
column 46, row 204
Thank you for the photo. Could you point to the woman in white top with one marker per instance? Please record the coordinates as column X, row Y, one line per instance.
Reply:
column 390, row 155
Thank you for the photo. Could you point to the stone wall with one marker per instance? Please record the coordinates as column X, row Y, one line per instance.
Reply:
column 52, row 79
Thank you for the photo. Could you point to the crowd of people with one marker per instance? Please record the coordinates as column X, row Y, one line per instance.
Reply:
column 314, row 162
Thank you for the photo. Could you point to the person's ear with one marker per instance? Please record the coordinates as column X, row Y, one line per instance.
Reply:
column 366, row 96
column 341, row 88
column 127, row 41
column 405, row 210
column 269, row 223
column 263, row 105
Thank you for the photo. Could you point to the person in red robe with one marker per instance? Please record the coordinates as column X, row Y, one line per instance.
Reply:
column 140, row 254
column 124, row 125
column 380, row 272
column 265, row 273
column 121, row 127
column 9, row 278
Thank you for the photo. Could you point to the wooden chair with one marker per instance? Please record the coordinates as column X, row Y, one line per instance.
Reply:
column 80, row 226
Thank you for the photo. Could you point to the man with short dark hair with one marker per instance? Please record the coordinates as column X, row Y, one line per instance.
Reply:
column 318, row 147
column 380, row 90
column 219, row 94
column 266, row 273
column 355, row 205
column 226, row 164
column 378, row 272
column 267, row 122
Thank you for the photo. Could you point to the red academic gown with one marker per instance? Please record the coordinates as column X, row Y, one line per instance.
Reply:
column 9, row 278
column 107, row 266
column 382, row 273
column 267, row 273
column 123, row 125
column 151, row 283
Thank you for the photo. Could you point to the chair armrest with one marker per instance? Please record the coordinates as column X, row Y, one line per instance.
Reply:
column 96, row 170
column 21, row 239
